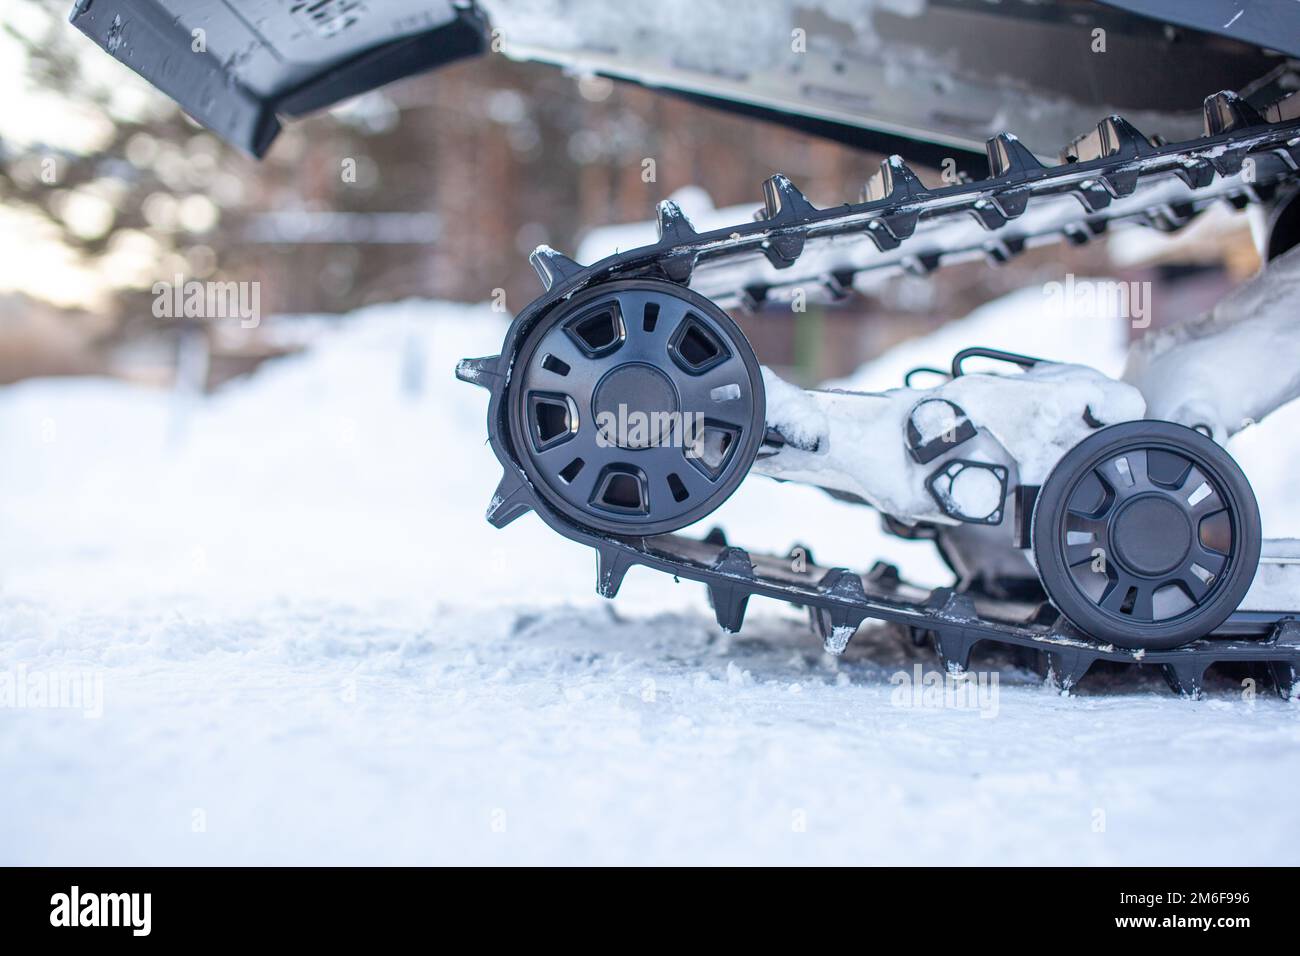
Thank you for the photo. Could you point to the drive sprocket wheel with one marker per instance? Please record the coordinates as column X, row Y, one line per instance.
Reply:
column 636, row 408
column 1146, row 535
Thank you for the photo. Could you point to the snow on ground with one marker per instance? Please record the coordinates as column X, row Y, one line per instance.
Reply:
column 312, row 649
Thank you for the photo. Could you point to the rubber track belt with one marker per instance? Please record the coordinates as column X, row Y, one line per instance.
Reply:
column 1108, row 171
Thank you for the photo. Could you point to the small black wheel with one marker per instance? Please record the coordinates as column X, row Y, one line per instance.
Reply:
column 637, row 407
column 1146, row 535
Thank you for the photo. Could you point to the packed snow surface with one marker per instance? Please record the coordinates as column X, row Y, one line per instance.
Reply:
column 301, row 643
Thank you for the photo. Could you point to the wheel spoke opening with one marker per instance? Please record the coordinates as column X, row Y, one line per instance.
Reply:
column 1215, row 532
column 1165, row 468
column 557, row 365
column 599, row 331
column 621, row 488
column 554, row 419
column 725, row 393
column 1200, row 493
column 1092, row 583
column 1121, row 595
column 695, row 348
column 678, row 488
column 1091, row 499
column 1125, row 473
column 1169, row 601
column 1083, row 548
column 571, row 470
column 711, row 448
column 1196, row 581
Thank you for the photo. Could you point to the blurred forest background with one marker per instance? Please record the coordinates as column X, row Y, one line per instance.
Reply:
column 437, row 187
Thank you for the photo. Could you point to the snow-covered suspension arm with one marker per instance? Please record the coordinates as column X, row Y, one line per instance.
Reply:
column 1231, row 366
column 1219, row 372
column 888, row 447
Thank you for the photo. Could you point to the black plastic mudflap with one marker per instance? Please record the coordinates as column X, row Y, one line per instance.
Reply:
column 238, row 66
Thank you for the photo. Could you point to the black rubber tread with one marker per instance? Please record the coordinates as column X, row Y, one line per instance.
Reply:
column 1229, row 587
column 951, row 621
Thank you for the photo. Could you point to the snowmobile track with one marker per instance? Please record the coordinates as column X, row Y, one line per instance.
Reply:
column 839, row 600
column 1242, row 159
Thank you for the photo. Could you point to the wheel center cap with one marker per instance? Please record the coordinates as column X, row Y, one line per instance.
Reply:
column 1151, row 535
column 635, row 405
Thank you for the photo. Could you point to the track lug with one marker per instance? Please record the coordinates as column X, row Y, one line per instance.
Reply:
column 752, row 297
column 511, row 499
column 921, row 265
column 896, row 182
column 1286, row 679
column 1093, row 195
column 953, row 647
column 783, row 202
column 1119, row 138
column 1225, row 111
column 783, row 250
column 1238, row 200
column 1121, row 184
column 612, row 565
column 988, row 215
column 836, row 626
column 734, row 561
column 1076, row 235
column 1229, row 162
column 1012, row 203
column 678, row 267
column 842, row 583
column 838, row 285
column 1116, row 139
column 901, row 225
column 1198, row 175
column 1046, row 615
column 953, row 606
column 1185, row 677
column 1003, row 249
column 480, row 371
column 1171, row 216
column 716, row 537
column 885, row 575
column 729, row 601
column 1067, row 666
column 674, row 227
column 553, row 268
column 729, row 606
column 1286, row 674
column 1010, row 157
column 882, row 235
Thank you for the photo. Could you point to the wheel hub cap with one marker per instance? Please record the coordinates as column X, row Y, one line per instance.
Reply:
column 640, row 402
column 1151, row 535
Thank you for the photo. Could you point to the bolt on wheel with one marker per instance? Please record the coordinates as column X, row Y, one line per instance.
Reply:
column 1146, row 535
column 638, row 407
